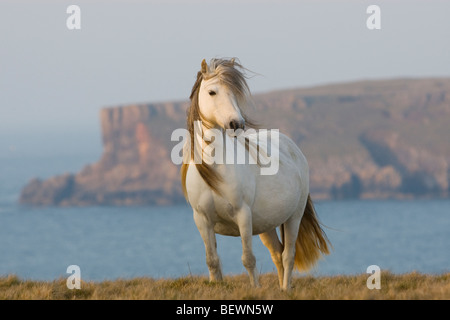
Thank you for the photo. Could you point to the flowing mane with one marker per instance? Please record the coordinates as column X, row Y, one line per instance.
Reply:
column 231, row 74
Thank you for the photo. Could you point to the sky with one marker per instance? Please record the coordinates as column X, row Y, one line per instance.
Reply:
column 54, row 81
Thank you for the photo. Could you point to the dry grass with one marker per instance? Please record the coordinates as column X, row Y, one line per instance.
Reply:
column 405, row 286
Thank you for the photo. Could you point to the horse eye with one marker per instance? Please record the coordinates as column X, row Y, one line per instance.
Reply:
column 212, row 93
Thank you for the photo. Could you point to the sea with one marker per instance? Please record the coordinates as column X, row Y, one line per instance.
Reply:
column 399, row 236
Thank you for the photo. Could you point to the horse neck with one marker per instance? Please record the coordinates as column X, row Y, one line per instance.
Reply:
column 202, row 136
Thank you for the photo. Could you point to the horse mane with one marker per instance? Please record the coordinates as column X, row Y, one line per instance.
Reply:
column 231, row 74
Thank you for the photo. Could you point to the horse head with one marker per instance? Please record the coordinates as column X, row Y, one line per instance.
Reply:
column 222, row 94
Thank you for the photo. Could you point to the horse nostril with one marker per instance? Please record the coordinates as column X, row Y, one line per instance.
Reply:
column 236, row 124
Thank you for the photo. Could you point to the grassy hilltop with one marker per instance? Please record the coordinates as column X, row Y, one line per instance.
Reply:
column 404, row 286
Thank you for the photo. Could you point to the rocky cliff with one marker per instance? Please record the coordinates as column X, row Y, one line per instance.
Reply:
column 368, row 139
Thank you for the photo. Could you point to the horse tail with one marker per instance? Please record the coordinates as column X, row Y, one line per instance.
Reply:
column 312, row 242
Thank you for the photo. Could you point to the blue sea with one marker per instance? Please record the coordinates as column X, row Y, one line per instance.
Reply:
column 126, row 242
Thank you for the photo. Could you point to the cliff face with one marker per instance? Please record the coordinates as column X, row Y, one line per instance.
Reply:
column 135, row 168
column 370, row 139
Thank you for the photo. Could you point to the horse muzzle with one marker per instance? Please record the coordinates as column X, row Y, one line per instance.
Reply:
column 236, row 124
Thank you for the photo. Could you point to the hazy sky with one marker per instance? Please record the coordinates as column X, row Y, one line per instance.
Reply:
column 54, row 81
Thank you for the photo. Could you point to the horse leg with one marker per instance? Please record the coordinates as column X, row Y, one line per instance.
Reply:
column 208, row 235
column 291, row 227
column 244, row 222
column 271, row 241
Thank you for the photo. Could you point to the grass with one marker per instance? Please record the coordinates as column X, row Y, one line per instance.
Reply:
column 404, row 286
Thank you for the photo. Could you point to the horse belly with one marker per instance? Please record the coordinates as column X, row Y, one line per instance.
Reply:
column 270, row 212
column 279, row 197
column 260, row 224
column 226, row 228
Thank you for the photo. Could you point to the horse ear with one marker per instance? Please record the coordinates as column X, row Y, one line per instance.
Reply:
column 232, row 61
column 204, row 67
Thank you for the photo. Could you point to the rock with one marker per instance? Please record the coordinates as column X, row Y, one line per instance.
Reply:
column 53, row 191
column 367, row 139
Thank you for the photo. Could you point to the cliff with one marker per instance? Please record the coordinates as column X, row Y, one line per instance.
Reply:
column 367, row 139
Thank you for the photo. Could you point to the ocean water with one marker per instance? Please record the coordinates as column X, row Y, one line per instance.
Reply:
column 125, row 242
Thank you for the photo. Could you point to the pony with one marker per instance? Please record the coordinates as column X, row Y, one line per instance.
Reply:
column 235, row 199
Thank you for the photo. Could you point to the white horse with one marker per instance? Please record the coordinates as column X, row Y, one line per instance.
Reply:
column 235, row 199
